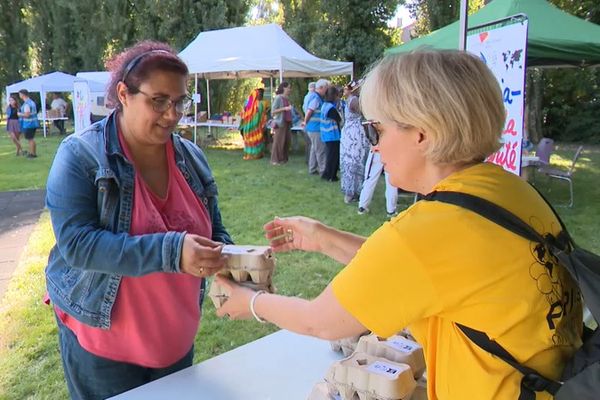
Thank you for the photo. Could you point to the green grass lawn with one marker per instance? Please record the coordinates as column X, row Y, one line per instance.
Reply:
column 17, row 173
column 251, row 193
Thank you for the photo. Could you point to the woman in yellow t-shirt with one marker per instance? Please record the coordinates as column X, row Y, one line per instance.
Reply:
column 435, row 117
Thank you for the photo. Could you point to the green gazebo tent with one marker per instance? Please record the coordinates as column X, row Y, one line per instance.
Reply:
column 555, row 38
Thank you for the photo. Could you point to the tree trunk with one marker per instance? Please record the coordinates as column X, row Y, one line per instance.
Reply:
column 533, row 109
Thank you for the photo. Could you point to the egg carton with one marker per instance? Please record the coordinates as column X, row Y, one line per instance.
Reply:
column 420, row 392
column 367, row 377
column 347, row 345
column 321, row 392
column 218, row 295
column 406, row 333
column 248, row 263
column 397, row 349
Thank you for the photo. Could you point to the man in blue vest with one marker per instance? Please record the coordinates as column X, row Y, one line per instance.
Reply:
column 29, row 121
column 312, row 126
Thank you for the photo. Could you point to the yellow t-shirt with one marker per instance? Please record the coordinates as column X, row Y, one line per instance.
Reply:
column 436, row 264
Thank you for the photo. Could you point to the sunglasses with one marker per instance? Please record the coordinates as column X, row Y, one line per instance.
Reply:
column 371, row 131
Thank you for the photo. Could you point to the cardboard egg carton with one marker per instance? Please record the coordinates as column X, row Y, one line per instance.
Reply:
column 250, row 266
column 397, row 349
column 249, row 263
column 420, row 392
column 218, row 295
column 347, row 345
column 406, row 333
column 321, row 392
column 370, row 378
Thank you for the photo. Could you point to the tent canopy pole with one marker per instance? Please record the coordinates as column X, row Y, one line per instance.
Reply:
column 464, row 21
column 208, row 101
column 195, row 106
column 43, row 101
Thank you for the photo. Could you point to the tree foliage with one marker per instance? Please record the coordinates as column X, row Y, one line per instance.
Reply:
column 350, row 30
column 73, row 36
column 13, row 42
column 563, row 103
column 571, row 96
column 431, row 15
column 40, row 36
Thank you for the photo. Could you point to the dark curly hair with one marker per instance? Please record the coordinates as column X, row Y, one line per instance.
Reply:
column 134, row 64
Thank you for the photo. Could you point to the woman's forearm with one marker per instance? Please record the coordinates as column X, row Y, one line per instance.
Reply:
column 337, row 244
column 322, row 317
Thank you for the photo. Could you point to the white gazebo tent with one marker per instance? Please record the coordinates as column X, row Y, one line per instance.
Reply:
column 264, row 51
column 89, row 97
column 52, row 82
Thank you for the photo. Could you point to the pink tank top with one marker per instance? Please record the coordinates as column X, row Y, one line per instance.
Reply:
column 155, row 317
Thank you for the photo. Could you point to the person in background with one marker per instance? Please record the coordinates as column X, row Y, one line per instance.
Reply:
column 281, row 110
column 373, row 170
column 437, row 264
column 307, row 98
column 353, row 145
column 12, row 123
column 312, row 124
column 341, row 105
column 330, row 134
column 60, row 106
column 252, row 126
column 138, row 230
column 29, row 121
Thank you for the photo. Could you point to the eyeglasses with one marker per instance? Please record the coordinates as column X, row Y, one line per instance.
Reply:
column 161, row 104
column 372, row 132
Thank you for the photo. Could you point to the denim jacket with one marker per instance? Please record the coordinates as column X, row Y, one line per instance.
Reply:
column 90, row 198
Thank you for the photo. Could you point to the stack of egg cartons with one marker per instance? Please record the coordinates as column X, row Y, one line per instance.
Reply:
column 347, row 345
column 250, row 266
column 379, row 369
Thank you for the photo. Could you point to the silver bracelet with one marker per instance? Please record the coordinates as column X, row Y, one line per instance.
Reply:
column 259, row 319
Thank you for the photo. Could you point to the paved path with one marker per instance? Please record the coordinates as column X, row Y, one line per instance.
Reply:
column 19, row 212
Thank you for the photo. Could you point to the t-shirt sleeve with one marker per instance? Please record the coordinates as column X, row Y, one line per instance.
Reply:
column 277, row 103
column 385, row 286
column 314, row 104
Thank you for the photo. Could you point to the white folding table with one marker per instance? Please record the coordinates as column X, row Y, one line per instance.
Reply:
column 282, row 365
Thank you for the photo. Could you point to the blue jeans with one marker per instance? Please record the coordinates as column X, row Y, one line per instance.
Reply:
column 91, row 377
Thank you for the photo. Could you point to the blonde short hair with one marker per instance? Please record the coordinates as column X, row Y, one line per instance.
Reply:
column 452, row 95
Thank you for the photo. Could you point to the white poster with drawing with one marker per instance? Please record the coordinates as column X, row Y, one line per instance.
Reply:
column 81, row 105
column 503, row 50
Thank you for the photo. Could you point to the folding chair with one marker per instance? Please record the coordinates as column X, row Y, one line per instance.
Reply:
column 562, row 174
column 544, row 150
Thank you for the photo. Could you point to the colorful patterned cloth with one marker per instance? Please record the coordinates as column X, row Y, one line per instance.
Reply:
column 254, row 119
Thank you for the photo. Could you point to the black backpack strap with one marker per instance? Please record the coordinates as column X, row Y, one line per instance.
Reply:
column 489, row 211
column 532, row 381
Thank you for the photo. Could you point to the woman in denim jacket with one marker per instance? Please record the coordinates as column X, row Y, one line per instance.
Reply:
column 138, row 229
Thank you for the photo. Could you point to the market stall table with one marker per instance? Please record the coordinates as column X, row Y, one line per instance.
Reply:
column 49, row 121
column 527, row 164
column 282, row 365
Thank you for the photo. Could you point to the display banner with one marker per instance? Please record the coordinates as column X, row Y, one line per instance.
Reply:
column 503, row 47
column 81, row 105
